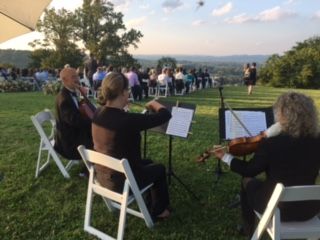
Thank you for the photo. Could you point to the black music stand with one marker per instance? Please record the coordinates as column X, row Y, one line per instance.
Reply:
column 218, row 171
column 169, row 129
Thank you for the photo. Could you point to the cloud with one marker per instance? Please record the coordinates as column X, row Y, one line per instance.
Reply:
column 289, row 2
column 144, row 6
column 170, row 5
column 275, row 14
column 164, row 19
column 121, row 5
column 269, row 15
column 222, row 10
column 316, row 15
column 197, row 23
column 241, row 18
column 136, row 22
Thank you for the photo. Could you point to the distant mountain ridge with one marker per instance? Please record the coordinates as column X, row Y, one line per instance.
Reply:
column 21, row 58
column 203, row 58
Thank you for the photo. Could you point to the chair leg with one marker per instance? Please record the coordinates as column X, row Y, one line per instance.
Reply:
column 59, row 164
column 39, row 158
column 87, row 217
column 71, row 163
column 123, row 211
column 40, row 167
column 109, row 204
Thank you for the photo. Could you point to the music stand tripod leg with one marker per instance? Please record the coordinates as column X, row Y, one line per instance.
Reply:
column 171, row 172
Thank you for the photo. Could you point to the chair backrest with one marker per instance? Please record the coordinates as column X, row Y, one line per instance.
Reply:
column 112, row 198
column 284, row 194
column 38, row 121
column 92, row 157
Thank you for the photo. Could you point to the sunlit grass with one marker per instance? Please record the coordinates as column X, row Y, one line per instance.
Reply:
column 52, row 207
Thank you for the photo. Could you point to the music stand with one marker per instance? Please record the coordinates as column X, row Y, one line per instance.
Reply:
column 177, row 128
column 218, row 171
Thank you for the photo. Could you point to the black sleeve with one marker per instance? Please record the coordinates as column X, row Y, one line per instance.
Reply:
column 145, row 121
column 255, row 166
column 71, row 115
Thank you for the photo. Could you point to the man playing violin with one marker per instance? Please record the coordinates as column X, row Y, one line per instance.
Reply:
column 72, row 129
column 290, row 157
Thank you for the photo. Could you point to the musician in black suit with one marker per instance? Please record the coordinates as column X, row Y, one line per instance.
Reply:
column 291, row 157
column 72, row 128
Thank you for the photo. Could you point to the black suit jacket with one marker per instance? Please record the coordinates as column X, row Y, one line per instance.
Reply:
column 72, row 128
column 287, row 160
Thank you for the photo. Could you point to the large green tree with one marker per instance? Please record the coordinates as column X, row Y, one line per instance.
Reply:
column 58, row 27
column 299, row 67
column 167, row 62
column 103, row 32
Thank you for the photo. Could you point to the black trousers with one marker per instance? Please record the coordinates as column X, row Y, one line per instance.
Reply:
column 136, row 92
column 247, row 204
column 156, row 173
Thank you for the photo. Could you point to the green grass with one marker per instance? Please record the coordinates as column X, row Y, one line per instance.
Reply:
column 51, row 207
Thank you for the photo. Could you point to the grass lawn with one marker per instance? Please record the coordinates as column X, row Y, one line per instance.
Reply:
column 51, row 207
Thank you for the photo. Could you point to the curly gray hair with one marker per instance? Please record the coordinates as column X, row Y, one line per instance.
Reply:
column 297, row 115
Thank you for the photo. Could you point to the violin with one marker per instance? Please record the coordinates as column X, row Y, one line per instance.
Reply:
column 86, row 108
column 238, row 147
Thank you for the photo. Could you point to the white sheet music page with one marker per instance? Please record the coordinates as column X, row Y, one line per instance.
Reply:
column 254, row 121
column 180, row 121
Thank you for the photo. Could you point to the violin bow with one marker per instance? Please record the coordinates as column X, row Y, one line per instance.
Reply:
column 238, row 119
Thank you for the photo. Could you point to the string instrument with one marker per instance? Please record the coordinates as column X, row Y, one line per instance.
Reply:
column 238, row 147
column 86, row 108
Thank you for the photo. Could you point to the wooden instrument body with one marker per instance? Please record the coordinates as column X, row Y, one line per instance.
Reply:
column 86, row 108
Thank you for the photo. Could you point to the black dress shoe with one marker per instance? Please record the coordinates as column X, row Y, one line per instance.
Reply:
column 243, row 231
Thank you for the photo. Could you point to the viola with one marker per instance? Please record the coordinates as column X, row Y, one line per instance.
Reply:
column 86, row 108
column 245, row 145
column 238, row 147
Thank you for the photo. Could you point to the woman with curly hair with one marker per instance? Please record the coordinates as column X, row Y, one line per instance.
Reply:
column 290, row 156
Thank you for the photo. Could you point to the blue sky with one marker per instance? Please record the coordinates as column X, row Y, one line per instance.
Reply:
column 217, row 28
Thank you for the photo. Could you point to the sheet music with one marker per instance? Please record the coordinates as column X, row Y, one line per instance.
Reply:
column 180, row 122
column 255, row 122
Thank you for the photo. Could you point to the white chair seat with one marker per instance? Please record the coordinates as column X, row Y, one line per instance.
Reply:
column 293, row 229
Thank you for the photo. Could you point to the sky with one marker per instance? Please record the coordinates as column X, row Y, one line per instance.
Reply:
column 218, row 28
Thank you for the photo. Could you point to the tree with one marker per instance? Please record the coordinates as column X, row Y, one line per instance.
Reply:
column 58, row 27
column 298, row 67
column 167, row 62
column 38, row 56
column 103, row 32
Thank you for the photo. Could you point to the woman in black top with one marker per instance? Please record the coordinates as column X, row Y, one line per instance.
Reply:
column 290, row 157
column 117, row 133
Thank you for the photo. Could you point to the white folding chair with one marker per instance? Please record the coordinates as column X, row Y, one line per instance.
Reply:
column 116, row 200
column 162, row 90
column 270, row 220
column 47, row 142
column 153, row 91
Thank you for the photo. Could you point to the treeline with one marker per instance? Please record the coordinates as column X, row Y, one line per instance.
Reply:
column 17, row 58
column 297, row 68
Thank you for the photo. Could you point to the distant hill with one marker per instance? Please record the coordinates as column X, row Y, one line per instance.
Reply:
column 200, row 58
column 19, row 58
